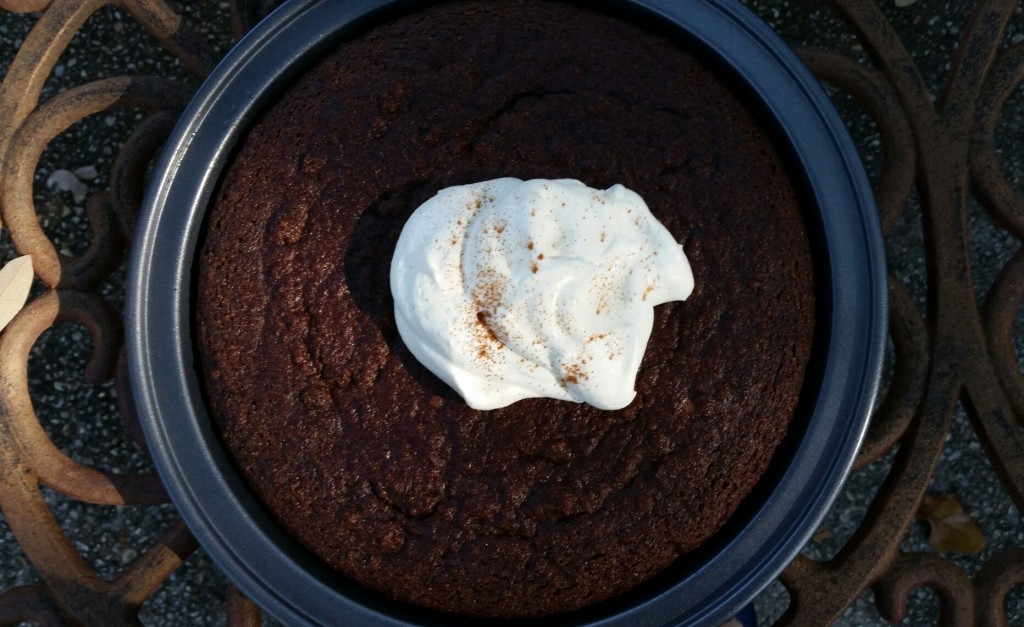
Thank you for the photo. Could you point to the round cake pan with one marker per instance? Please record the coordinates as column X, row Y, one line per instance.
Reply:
column 702, row 588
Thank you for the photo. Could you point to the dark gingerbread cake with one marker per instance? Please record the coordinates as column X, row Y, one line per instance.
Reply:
column 366, row 457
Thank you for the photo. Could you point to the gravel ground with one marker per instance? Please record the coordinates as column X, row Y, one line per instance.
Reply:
column 82, row 418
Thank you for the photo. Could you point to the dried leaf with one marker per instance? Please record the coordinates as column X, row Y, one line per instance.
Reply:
column 67, row 181
column 15, row 282
column 822, row 535
column 61, row 179
column 86, row 172
column 952, row 529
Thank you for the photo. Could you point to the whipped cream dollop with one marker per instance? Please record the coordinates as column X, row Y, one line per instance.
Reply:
column 511, row 289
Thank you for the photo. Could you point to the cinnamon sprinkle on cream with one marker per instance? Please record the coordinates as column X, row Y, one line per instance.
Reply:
column 484, row 314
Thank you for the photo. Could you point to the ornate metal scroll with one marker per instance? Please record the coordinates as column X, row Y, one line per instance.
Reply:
column 957, row 351
column 70, row 591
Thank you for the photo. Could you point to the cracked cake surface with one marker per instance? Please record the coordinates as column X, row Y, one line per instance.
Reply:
column 371, row 462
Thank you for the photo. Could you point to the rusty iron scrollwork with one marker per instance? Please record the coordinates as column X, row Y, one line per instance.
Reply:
column 70, row 591
column 957, row 351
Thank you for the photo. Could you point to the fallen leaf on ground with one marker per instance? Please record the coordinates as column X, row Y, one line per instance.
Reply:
column 15, row 283
column 86, row 172
column 952, row 529
column 67, row 181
